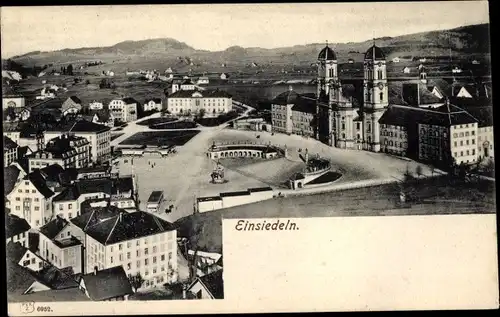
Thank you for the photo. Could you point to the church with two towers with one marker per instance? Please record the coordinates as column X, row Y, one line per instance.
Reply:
column 341, row 121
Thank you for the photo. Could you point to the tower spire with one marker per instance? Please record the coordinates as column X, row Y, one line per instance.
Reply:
column 326, row 42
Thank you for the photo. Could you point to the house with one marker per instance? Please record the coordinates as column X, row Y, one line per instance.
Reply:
column 10, row 151
column 475, row 62
column 293, row 113
column 66, row 150
column 124, row 110
column 152, row 104
column 122, row 193
column 396, row 60
column 461, row 92
column 110, row 284
column 456, row 70
column 100, row 171
column 22, row 281
column 224, row 76
column 46, row 93
column 58, row 246
column 350, row 61
column 103, row 116
column 210, row 286
column 206, row 262
column 138, row 241
column 203, row 80
column 31, row 199
column 16, row 229
column 95, row 105
column 98, row 135
column 422, row 60
column 24, row 257
column 13, row 101
column 187, row 85
column 169, row 70
column 12, row 174
column 72, row 105
column 406, row 70
column 12, row 75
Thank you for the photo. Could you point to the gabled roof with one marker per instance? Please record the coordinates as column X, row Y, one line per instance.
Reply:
column 108, row 283
column 213, row 283
column 15, row 251
column 15, row 225
column 23, row 151
column 123, row 184
column 19, row 279
column 102, row 114
column 10, row 175
column 129, row 100
column 57, row 278
column 86, row 126
column 155, row 100
column 52, row 172
column 8, row 144
column 187, row 82
column 75, row 99
column 87, row 186
column 127, row 226
column 69, row 193
column 53, row 227
column 36, row 178
column 94, row 216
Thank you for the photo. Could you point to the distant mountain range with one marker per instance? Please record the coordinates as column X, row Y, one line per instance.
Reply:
column 473, row 39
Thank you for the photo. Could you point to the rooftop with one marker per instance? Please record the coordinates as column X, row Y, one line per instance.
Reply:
column 8, row 144
column 53, row 227
column 108, row 283
column 214, row 283
column 37, row 179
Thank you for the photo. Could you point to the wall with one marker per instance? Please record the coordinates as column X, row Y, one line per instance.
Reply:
column 485, row 144
column 463, row 145
column 39, row 209
column 209, row 205
column 31, row 261
column 21, row 238
column 393, row 139
column 198, row 287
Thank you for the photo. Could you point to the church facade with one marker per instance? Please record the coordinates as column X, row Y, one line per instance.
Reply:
column 342, row 123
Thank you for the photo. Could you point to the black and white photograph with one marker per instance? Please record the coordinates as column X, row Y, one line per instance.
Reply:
column 131, row 131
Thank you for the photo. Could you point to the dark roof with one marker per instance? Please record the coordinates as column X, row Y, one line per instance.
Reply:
column 300, row 103
column 93, row 215
column 86, row 126
column 23, row 151
column 286, row 98
column 69, row 193
column 411, row 93
column 102, row 114
column 75, row 99
column 15, row 251
column 52, row 172
column 53, row 227
column 18, row 279
column 57, row 278
column 187, row 82
column 8, row 144
column 36, row 178
column 53, row 295
column 483, row 114
column 68, row 175
column 205, row 94
column 123, row 184
column 209, row 198
column 214, row 283
column 59, row 145
column 232, row 194
column 129, row 100
column 94, row 169
column 156, row 100
column 98, row 185
column 443, row 116
column 155, row 196
column 10, row 175
column 108, row 283
column 260, row 189
column 126, row 226
column 327, row 54
column 375, row 52
column 67, row 242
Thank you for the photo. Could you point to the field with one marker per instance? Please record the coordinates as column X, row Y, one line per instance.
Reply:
column 371, row 201
column 160, row 138
column 174, row 125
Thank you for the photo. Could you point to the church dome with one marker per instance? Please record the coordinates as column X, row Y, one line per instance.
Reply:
column 327, row 54
column 376, row 52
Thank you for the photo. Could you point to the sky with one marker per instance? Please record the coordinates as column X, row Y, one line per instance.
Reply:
column 216, row 27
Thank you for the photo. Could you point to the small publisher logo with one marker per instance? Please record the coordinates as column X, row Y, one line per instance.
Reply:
column 28, row 307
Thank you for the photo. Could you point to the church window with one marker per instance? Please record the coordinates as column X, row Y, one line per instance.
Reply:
column 343, row 125
column 381, row 95
column 359, row 136
column 369, row 139
column 369, row 127
column 357, row 125
column 380, row 74
column 343, row 135
column 391, row 143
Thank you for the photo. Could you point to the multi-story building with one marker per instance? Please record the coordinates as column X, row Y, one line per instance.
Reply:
column 16, row 229
column 72, row 105
column 31, row 199
column 13, row 101
column 58, row 246
column 485, row 142
column 98, row 135
column 124, row 110
column 10, row 151
column 22, row 256
column 69, row 151
column 103, row 116
column 140, row 242
column 96, row 105
column 293, row 113
column 437, row 135
column 211, row 102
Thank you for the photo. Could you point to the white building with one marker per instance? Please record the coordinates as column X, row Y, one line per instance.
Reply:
column 203, row 80
column 213, row 102
column 16, row 229
column 406, row 70
column 153, row 104
column 31, row 199
column 24, row 257
column 396, row 60
column 223, row 76
column 13, row 102
column 139, row 241
column 10, row 151
column 124, row 109
column 95, row 105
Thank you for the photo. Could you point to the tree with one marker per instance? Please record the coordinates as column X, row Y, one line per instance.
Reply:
column 87, row 82
column 201, row 113
column 136, row 281
column 69, row 70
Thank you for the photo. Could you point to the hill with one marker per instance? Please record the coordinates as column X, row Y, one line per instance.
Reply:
column 468, row 40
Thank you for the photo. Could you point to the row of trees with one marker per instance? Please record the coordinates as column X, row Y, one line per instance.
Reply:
column 68, row 70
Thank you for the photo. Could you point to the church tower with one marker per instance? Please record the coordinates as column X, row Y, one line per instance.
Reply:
column 327, row 69
column 376, row 96
column 327, row 74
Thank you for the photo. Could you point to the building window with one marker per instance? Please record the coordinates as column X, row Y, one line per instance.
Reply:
column 455, row 143
column 473, row 132
column 146, row 261
column 473, row 141
column 381, row 95
column 461, row 153
column 146, row 251
column 111, row 259
column 473, row 152
column 357, row 125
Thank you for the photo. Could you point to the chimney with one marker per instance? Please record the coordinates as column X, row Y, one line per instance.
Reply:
column 95, row 270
